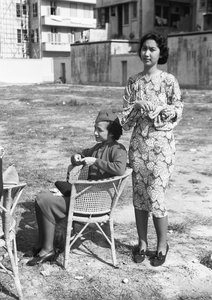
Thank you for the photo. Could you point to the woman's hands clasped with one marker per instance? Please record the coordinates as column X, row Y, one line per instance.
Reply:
column 151, row 109
column 79, row 160
column 145, row 105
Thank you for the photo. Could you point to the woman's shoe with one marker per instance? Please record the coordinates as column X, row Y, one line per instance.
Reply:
column 138, row 255
column 35, row 251
column 159, row 258
column 50, row 256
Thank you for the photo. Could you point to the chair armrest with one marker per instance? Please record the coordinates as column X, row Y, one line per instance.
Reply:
column 106, row 180
column 10, row 186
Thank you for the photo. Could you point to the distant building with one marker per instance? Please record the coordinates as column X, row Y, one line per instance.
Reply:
column 204, row 15
column 14, row 42
column 130, row 19
column 54, row 25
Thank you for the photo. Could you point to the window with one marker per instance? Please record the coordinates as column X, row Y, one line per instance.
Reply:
column 161, row 15
column 24, row 9
column 113, row 11
column 35, row 9
column 25, row 34
column 53, row 7
column 73, row 9
column 37, row 35
column 94, row 13
column 209, row 6
column 101, row 18
column 134, row 10
column 126, row 14
column 19, row 35
column 202, row 4
column 53, row 35
column 86, row 11
column 18, row 10
column 32, row 36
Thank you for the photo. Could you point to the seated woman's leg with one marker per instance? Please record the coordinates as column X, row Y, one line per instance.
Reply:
column 49, row 211
column 46, row 231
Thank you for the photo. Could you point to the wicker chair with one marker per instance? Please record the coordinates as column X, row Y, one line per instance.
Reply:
column 8, row 202
column 92, row 202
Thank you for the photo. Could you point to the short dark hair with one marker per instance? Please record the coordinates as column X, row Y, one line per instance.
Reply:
column 161, row 43
column 115, row 129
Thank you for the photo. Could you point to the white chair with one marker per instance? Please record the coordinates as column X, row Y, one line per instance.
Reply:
column 8, row 202
column 92, row 202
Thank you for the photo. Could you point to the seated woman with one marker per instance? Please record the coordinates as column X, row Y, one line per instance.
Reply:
column 105, row 159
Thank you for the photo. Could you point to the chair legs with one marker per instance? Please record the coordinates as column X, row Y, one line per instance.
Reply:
column 112, row 242
column 70, row 240
column 13, row 261
column 67, row 245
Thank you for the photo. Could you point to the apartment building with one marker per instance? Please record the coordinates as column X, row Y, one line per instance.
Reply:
column 204, row 15
column 54, row 25
column 14, row 42
column 130, row 19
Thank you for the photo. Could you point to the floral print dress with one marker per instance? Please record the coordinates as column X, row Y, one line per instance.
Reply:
column 152, row 144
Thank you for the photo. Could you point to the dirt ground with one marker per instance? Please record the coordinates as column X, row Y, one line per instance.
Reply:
column 41, row 126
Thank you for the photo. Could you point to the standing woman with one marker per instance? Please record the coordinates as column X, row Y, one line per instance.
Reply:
column 153, row 106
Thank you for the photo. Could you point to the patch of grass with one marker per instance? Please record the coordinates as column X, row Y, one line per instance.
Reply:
column 206, row 260
column 194, row 181
column 178, row 227
column 208, row 173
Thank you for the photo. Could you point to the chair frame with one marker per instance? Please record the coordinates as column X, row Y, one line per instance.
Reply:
column 98, row 218
column 9, row 200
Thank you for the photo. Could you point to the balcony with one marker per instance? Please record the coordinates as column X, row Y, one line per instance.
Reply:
column 68, row 22
column 56, row 47
column 81, row 1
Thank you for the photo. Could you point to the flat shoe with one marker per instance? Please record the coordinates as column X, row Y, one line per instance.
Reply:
column 50, row 256
column 139, row 256
column 159, row 258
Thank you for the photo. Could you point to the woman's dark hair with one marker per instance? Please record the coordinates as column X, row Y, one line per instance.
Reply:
column 115, row 129
column 161, row 43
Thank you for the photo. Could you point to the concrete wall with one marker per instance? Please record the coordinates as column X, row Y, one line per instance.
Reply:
column 26, row 70
column 108, row 63
column 191, row 59
column 91, row 62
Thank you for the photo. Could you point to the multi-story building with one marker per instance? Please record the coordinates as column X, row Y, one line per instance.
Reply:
column 54, row 25
column 14, row 40
column 204, row 15
column 130, row 19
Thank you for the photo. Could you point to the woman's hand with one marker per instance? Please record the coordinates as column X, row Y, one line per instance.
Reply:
column 89, row 161
column 168, row 113
column 145, row 105
column 153, row 114
column 76, row 159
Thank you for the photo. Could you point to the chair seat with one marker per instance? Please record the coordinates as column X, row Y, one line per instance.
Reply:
column 93, row 219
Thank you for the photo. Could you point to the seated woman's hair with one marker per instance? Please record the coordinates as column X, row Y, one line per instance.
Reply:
column 115, row 129
column 161, row 41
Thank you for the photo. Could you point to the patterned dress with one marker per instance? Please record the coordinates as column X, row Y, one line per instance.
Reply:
column 152, row 144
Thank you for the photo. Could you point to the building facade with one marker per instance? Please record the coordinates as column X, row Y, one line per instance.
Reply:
column 130, row 19
column 204, row 15
column 14, row 42
column 54, row 25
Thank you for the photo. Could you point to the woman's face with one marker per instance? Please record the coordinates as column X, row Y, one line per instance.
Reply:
column 101, row 132
column 150, row 53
